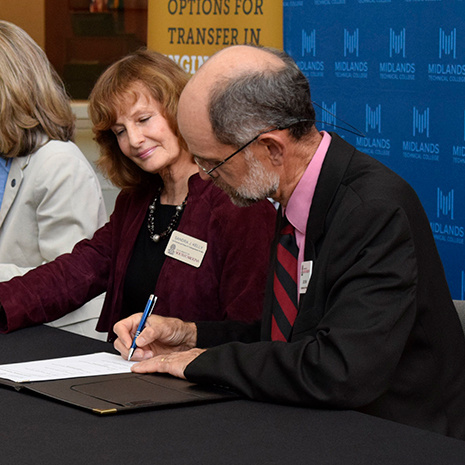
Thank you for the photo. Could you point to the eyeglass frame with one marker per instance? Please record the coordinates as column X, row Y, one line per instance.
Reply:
column 353, row 130
column 277, row 128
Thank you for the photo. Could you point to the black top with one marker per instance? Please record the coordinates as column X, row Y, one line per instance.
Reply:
column 146, row 261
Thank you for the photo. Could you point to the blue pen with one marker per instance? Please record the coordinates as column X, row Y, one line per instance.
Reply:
column 147, row 312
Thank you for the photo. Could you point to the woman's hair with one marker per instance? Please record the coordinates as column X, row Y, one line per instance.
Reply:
column 163, row 78
column 33, row 101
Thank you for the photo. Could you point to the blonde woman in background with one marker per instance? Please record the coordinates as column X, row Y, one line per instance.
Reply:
column 50, row 196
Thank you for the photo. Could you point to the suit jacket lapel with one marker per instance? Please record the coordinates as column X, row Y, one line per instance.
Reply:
column 331, row 177
column 332, row 172
column 15, row 178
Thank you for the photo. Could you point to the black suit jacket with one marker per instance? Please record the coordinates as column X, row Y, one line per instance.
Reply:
column 376, row 330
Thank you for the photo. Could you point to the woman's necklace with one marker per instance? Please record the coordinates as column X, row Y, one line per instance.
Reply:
column 172, row 224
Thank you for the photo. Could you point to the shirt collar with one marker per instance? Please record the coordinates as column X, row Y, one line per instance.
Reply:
column 297, row 209
column 5, row 164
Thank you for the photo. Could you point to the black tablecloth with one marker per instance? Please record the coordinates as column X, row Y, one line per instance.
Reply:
column 36, row 430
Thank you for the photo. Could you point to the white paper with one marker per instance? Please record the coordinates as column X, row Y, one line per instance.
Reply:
column 101, row 363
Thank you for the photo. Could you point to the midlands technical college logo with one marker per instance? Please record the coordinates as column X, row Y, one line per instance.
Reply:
column 397, row 43
column 309, row 43
column 420, row 147
column 308, row 64
column 351, row 42
column 447, row 69
column 458, row 150
column 328, row 116
column 351, row 66
column 373, row 118
column 397, row 67
column 445, row 204
column 373, row 143
column 420, row 122
column 444, row 228
column 448, row 43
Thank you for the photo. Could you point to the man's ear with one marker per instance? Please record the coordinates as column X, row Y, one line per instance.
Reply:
column 275, row 148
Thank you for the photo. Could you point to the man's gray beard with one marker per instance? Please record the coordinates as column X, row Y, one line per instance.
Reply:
column 257, row 185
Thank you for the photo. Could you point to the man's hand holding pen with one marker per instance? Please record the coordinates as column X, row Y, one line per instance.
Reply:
column 166, row 345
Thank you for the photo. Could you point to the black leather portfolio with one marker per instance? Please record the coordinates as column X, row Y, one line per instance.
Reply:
column 110, row 394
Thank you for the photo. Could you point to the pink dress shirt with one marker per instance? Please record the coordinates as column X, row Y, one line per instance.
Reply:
column 297, row 209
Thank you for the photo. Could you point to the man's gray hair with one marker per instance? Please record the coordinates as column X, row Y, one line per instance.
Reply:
column 243, row 106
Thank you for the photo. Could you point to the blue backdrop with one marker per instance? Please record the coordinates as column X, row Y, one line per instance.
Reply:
column 395, row 70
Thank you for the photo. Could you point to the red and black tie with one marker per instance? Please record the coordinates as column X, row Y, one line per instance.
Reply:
column 284, row 309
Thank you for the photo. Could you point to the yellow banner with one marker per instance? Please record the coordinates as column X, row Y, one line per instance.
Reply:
column 190, row 31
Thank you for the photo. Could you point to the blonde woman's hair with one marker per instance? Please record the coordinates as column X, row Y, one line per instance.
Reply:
column 163, row 78
column 33, row 101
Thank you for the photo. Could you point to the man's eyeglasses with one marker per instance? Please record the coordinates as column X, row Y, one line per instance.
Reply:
column 212, row 167
column 209, row 170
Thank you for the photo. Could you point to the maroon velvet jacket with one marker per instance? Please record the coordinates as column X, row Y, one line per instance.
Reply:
column 229, row 284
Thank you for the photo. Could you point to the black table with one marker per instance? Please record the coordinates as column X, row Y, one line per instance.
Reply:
column 36, row 430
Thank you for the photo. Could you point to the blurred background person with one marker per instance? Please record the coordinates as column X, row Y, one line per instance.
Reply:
column 133, row 109
column 50, row 195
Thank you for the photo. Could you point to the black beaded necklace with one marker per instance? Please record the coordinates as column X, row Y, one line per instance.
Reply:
column 172, row 224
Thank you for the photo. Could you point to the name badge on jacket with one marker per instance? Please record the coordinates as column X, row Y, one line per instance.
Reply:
column 186, row 249
column 305, row 275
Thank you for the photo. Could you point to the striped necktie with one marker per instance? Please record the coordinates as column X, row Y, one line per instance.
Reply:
column 284, row 309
